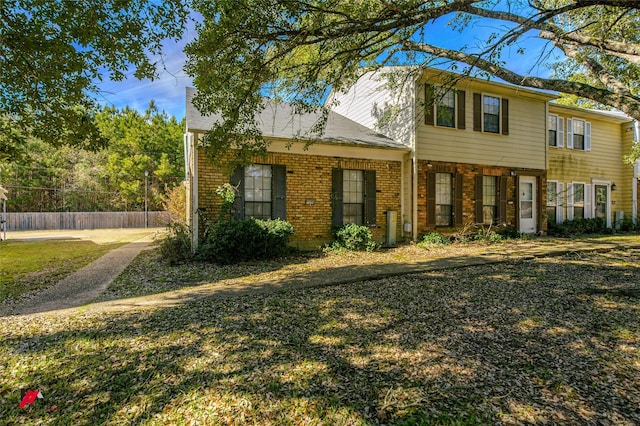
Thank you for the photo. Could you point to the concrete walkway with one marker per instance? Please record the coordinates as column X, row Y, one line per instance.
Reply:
column 82, row 286
column 89, row 284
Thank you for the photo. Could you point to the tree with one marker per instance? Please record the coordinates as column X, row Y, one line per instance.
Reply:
column 299, row 49
column 54, row 52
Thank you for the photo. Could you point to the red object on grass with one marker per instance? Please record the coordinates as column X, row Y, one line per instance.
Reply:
column 29, row 398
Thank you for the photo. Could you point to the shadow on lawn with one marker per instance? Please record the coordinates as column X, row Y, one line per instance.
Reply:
column 520, row 342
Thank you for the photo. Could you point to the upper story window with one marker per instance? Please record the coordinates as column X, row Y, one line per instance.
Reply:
column 556, row 131
column 490, row 114
column 444, row 107
column 578, row 134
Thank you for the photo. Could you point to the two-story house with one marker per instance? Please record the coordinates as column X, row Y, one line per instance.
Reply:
column 446, row 152
column 478, row 148
column 586, row 176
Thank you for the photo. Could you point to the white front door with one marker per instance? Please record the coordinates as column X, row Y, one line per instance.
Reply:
column 527, row 207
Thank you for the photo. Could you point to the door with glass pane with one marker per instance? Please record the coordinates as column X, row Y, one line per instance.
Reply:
column 601, row 201
column 527, row 206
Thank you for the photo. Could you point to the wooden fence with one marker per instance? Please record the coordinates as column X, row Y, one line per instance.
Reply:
column 83, row 220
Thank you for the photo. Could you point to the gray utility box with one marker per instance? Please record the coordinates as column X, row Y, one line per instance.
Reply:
column 392, row 224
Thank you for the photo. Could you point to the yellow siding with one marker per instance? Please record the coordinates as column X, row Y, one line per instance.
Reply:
column 626, row 185
column 524, row 147
column 604, row 162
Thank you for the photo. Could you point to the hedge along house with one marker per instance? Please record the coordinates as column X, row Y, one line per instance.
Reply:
column 349, row 174
column 587, row 177
column 478, row 148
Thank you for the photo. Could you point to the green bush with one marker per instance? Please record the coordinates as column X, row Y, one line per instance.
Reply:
column 433, row 238
column 575, row 227
column 353, row 237
column 252, row 239
column 509, row 233
column 176, row 247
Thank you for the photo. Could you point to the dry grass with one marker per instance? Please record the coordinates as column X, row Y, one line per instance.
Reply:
column 550, row 340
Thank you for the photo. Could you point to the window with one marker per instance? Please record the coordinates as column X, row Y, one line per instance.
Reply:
column 446, row 109
column 578, row 134
column 261, row 192
column 444, row 199
column 353, row 196
column 556, row 131
column 575, row 201
column 489, row 200
column 554, row 204
column 491, row 114
column 553, row 130
column 257, row 191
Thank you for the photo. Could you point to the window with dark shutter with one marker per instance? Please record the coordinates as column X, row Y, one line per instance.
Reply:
column 477, row 112
column 478, row 210
column 370, row 197
column 505, row 116
column 458, row 200
column 336, row 198
column 431, row 199
column 502, row 199
column 461, row 109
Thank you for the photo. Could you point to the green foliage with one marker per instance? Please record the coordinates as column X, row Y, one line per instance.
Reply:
column 175, row 248
column 433, row 239
column 576, row 227
column 228, row 194
column 46, row 178
column 233, row 241
column 54, row 54
column 509, row 233
column 352, row 237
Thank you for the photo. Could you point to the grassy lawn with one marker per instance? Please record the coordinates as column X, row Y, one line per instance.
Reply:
column 549, row 340
column 32, row 265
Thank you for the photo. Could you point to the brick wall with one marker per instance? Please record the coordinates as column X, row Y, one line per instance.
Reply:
column 309, row 192
column 469, row 172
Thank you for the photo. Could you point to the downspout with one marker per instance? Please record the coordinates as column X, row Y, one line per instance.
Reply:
column 636, row 174
column 191, row 175
column 414, row 165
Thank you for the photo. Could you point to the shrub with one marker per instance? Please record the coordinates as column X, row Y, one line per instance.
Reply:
column 575, row 227
column 237, row 241
column 509, row 233
column 176, row 247
column 175, row 203
column 433, row 238
column 353, row 237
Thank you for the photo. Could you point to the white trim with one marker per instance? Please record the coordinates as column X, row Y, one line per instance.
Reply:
column 569, row 133
column 607, row 183
column 587, row 135
column 569, row 200
column 589, row 205
column 560, row 132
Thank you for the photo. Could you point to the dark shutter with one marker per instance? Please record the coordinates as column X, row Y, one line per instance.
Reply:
column 336, row 198
column 237, row 180
column 279, row 192
column 477, row 112
column 505, row 116
column 431, row 199
column 539, row 208
column 429, row 102
column 457, row 214
column 461, row 109
column 502, row 199
column 478, row 206
column 370, row 198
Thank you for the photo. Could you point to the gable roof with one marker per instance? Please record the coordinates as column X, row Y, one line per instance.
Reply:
column 279, row 120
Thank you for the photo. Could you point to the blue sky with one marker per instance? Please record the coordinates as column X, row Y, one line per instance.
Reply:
column 168, row 90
